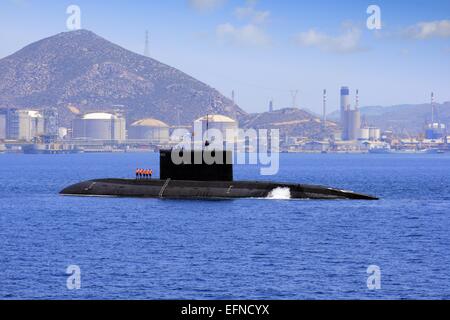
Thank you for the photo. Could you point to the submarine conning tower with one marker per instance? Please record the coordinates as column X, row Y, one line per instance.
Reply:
column 194, row 166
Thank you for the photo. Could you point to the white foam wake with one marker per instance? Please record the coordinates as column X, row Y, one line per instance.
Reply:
column 280, row 194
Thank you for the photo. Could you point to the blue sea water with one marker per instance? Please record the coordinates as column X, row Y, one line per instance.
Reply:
column 241, row 249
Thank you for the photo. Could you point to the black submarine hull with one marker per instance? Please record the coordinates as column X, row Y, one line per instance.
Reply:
column 183, row 189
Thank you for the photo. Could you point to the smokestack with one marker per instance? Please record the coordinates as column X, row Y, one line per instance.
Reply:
column 345, row 107
column 357, row 100
column 432, row 108
column 324, row 109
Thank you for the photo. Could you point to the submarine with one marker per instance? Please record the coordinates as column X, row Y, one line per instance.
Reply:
column 204, row 181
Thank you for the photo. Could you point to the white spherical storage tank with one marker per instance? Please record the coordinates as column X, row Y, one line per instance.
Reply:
column 149, row 130
column 99, row 126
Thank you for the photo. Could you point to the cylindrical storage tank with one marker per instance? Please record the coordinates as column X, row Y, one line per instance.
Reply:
column 149, row 130
column 227, row 126
column 378, row 134
column 364, row 134
column 374, row 134
column 99, row 126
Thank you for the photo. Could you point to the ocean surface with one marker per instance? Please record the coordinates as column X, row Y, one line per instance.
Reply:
column 240, row 249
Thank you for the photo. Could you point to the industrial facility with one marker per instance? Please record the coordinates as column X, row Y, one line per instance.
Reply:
column 51, row 123
column 2, row 126
column 352, row 128
column 99, row 126
column 149, row 130
column 369, row 134
column 39, row 131
column 350, row 118
column 435, row 129
column 22, row 125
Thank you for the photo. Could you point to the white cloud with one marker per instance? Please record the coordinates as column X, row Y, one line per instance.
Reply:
column 250, row 12
column 347, row 42
column 249, row 34
column 205, row 5
column 430, row 29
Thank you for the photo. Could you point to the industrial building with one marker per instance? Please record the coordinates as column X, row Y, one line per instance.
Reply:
column 51, row 122
column 6, row 117
column 23, row 125
column 219, row 122
column 435, row 129
column 2, row 126
column 99, row 126
column 31, row 124
column 149, row 130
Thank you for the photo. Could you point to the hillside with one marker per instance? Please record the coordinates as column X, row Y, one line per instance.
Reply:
column 290, row 121
column 79, row 70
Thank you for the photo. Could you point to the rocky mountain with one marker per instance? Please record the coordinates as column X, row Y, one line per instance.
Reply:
column 79, row 71
column 405, row 119
column 290, row 121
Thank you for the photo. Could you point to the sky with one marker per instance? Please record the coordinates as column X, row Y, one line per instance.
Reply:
column 265, row 49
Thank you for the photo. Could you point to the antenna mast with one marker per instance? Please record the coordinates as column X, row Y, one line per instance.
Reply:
column 207, row 121
column 294, row 94
column 324, row 109
column 357, row 100
column 146, row 49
